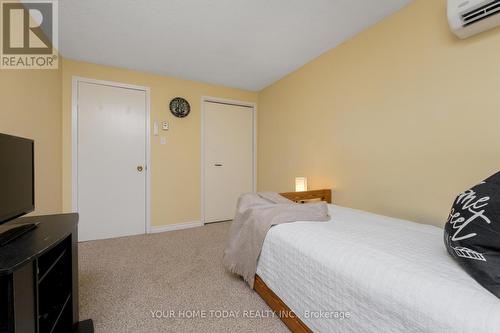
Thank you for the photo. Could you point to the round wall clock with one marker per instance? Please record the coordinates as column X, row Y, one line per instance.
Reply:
column 179, row 107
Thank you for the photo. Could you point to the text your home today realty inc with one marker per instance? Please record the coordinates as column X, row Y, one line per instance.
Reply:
column 248, row 314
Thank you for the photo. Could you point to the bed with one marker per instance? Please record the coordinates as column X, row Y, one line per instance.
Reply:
column 362, row 272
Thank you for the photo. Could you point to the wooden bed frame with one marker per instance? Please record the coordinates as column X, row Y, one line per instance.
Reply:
column 275, row 303
column 323, row 195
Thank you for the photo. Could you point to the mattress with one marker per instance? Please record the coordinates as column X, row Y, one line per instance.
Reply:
column 362, row 272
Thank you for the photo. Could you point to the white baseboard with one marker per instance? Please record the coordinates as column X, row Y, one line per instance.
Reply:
column 172, row 227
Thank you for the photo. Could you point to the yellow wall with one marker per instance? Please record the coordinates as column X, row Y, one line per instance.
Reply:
column 175, row 166
column 31, row 107
column 397, row 120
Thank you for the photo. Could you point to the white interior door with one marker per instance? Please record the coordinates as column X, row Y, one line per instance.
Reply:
column 111, row 179
column 229, row 158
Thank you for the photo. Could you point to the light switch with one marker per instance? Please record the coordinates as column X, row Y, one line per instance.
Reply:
column 155, row 128
column 164, row 125
column 163, row 140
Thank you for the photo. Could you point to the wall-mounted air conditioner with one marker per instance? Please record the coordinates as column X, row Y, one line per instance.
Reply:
column 470, row 17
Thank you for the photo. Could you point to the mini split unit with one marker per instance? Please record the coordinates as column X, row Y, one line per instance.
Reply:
column 470, row 17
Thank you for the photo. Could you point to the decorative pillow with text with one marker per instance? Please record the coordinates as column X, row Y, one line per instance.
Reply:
column 472, row 233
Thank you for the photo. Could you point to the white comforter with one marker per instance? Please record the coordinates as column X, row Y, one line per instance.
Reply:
column 390, row 275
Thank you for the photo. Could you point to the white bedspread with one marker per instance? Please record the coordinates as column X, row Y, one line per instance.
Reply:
column 390, row 275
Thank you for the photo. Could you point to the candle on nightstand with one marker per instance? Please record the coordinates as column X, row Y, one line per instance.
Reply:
column 300, row 184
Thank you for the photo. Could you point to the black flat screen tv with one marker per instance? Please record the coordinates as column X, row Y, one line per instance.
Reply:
column 17, row 190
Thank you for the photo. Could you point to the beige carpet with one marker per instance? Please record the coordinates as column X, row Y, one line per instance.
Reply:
column 122, row 280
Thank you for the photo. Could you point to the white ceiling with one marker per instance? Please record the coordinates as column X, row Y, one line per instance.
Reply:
column 245, row 44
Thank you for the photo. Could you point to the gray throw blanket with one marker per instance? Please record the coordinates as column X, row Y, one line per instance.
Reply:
column 256, row 213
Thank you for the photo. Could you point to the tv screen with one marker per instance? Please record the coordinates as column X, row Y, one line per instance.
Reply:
column 17, row 195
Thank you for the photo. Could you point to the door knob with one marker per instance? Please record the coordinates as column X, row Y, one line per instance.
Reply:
column 218, row 165
column 140, row 168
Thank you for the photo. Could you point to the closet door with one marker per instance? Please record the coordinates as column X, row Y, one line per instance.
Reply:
column 228, row 158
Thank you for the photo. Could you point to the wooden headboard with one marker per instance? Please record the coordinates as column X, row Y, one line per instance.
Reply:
column 323, row 195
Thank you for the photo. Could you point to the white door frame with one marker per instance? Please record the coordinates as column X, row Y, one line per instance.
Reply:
column 74, row 140
column 253, row 107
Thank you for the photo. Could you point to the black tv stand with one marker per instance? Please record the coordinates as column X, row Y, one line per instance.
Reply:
column 12, row 231
column 39, row 277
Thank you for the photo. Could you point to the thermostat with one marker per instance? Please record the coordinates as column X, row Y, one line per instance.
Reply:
column 164, row 125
